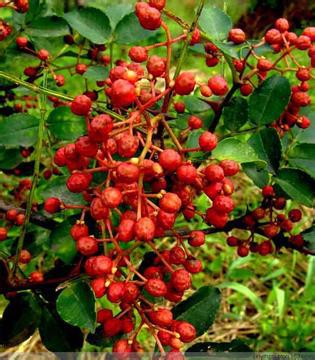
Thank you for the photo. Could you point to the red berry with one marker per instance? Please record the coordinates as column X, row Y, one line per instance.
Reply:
column 100, row 128
column 181, row 280
column 205, row 91
column 103, row 315
column 264, row 64
column 303, row 74
column 196, row 238
column 295, row 215
column 78, row 182
column 242, row 250
column 230, row 167
column 156, row 66
column 279, row 203
column 138, row 54
column 208, row 141
column 11, row 214
column 122, row 347
column 165, row 220
column 300, row 98
column 164, row 337
column 259, row 213
column 237, row 36
column 52, row 205
column 36, row 277
column 286, row 225
column 85, row 147
column 268, row 191
column 81, row 105
column 186, row 174
column 214, row 173
column 161, row 317
column 126, row 230
column 155, row 287
column 223, row 204
column 127, row 173
column 3, row 233
column 79, row 230
column 115, row 292
column 216, row 219
column 303, row 42
column 131, row 293
column 170, row 160
column 185, row 83
column 179, row 107
column 232, row 241
column 271, row 230
column 186, row 331
column 273, row 36
column 194, row 122
column 297, row 240
column 265, row 248
column 87, row 245
column 123, row 93
column 310, row 32
column 246, row 89
column 170, row 202
column 193, row 265
column 21, row 41
column 127, row 145
column 149, row 17
column 213, row 190
column 282, row 25
column 158, row 4
column 112, row 197
column 177, row 255
column 218, row 85
column 112, row 327
column 98, row 210
column 81, row 68
column 20, row 218
column 43, row 54
column 25, row 257
column 144, row 229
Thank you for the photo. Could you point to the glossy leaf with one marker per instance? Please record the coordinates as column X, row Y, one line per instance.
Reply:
column 76, row 305
column 215, row 23
column 91, row 23
column 269, row 100
column 195, row 105
column 234, row 149
column 309, row 237
column 50, row 26
column 302, row 157
column 20, row 319
column 129, row 31
column 199, row 309
column 267, row 146
column 257, row 172
column 18, row 130
column 235, row 113
column 117, row 12
column 57, row 335
column 62, row 244
column 64, row 125
column 298, row 185
column 10, row 158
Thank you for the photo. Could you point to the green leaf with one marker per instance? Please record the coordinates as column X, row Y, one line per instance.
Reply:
column 306, row 135
column 235, row 345
column 234, row 149
column 193, row 138
column 309, row 237
column 215, row 23
column 302, row 157
column 76, row 305
column 50, row 26
column 56, row 187
column 269, row 100
column 62, row 244
column 235, row 113
column 129, row 31
column 267, row 146
column 195, row 105
column 20, row 319
column 117, row 12
column 57, row 335
column 64, row 125
column 96, row 73
column 18, row 130
column 298, row 185
column 231, row 49
column 91, row 23
column 257, row 173
column 199, row 309
column 10, row 158
column 244, row 290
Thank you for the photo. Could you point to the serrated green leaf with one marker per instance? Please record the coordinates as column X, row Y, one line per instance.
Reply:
column 235, row 113
column 267, row 146
column 215, row 23
column 91, row 23
column 298, row 185
column 76, row 305
column 199, row 309
column 257, row 173
column 18, row 130
column 269, row 100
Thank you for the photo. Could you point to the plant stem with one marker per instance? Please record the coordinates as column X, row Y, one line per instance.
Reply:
column 38, row 152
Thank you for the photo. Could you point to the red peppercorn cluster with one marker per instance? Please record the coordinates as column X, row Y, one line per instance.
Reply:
column 269, row 223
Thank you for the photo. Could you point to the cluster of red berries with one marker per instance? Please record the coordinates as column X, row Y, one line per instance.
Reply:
column 20, row 6
column 13, row 217
column 267, row 221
